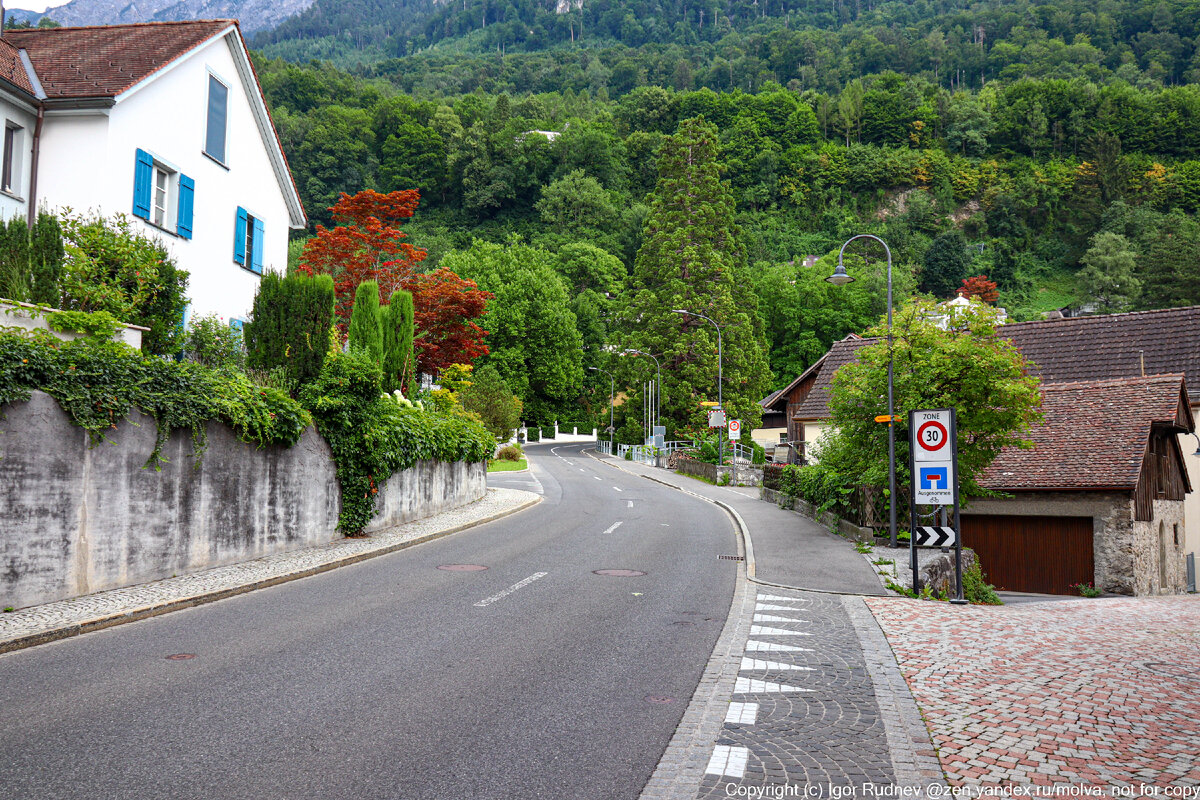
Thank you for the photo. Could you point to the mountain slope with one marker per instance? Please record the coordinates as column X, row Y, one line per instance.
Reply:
column 253, row 14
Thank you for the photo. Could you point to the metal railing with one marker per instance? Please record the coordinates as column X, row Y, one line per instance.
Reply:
column 604, row 446
column 637, row 452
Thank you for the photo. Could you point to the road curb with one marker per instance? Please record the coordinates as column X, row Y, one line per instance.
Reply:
column 110, row 620
column 743, row 530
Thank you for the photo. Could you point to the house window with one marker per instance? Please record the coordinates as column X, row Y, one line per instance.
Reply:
column 218, row 103
column 12, row 146
column 248, row 241
column 163, row 196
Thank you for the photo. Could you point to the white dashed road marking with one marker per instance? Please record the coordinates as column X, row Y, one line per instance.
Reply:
column 770, row 666
column 729, row 761
column 742, row 713
column 501, row 595
column 597, row 477
column 751, row 686
column 612, row 527
column 629, row 504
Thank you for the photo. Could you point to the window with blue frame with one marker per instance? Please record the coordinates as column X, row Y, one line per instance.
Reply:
column 162, row 195
column 248, row 241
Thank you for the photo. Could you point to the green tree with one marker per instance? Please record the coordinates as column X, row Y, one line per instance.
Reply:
column 576, row 202
column 290, row 324
column 945, row 265
column 399, row 366
column 1108, row 273
column 366, row 322
column 692, row 258
column 45, row 259
column 964, row 366
column 490, row 398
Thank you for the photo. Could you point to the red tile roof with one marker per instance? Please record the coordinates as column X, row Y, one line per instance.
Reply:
column 103, row 61
column 11, row 68
column 1094, row 435
column 816, row 405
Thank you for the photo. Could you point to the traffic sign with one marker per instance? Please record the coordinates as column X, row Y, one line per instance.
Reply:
column 716, row 419
column 931, row 435
column 933, row 483
column 735, row 429
column 927, row 536
column 883, row 418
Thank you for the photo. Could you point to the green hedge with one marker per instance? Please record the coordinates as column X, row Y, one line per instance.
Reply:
column 373, row 436
column 98, row 382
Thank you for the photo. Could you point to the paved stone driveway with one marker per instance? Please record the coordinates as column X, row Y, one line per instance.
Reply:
column 1098, row 693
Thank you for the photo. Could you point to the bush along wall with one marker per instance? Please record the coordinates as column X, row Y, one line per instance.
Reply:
column 98, row 382
column 373, row 436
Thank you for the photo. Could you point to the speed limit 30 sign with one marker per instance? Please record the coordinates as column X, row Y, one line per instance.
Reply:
column 934, row 477
column 931, row 435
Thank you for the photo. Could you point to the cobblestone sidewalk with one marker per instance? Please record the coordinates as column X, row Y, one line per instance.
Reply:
column 44, row 623
column 1103, row 694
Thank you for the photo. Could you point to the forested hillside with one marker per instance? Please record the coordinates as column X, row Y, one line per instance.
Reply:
column 1053, row 148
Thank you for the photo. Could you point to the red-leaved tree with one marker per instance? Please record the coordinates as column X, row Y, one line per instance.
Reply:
column 979, row 286
column 368, row 245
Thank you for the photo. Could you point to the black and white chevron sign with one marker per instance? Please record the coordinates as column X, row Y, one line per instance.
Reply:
column 934, row 537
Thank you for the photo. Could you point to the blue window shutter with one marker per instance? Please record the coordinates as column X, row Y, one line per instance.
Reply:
column 239, row 237
column 187, row 194
column 256, row 258
column 143, row 175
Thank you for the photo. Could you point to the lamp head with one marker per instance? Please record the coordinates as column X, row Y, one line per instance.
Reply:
column 680, row 311
column 839, row 276
column 1197, row 437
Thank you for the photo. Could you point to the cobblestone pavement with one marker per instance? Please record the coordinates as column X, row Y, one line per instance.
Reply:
column 37, row 624
column 1083, row 693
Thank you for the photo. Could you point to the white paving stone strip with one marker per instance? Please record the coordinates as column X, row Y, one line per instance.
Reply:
column 768, row 607
column 914, row 760
column 753, row 646
column 742, row 713
column 729, row 761
column 778, row 598
column 44, row 623
column 749, row 664
column 760, row 630
column 752, row 686
column 774, row 618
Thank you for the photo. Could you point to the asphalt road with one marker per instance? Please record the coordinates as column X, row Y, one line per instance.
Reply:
column 395, row 679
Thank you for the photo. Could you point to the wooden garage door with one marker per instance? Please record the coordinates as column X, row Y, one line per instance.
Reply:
column 1032, row 554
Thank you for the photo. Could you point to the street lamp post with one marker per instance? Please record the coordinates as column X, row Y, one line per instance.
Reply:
column 612, row 384
column 657, row 386
column 840, row 278
column 720, row 381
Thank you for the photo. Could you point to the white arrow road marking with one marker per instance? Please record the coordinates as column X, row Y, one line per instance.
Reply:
column 612, row 527
column 730, row 761
column 751, row 686
column 629, row 504
column 785, row 599
column 759, row 630
column 770, row 647
column 742, row 713
column 773, row 618
column 753, row 663
column 501, row 595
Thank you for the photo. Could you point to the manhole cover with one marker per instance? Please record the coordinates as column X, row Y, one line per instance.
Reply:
column 732, row 558
column 463, row 567
column 618, row 573
column 181, row 656
column 1168, row 669
column 658, row 699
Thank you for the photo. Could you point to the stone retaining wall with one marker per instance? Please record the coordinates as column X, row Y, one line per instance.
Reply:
column 76, row 519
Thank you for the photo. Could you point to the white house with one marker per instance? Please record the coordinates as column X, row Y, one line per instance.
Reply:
column 162, row 121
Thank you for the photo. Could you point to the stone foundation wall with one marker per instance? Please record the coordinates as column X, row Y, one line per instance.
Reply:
column 76, row 519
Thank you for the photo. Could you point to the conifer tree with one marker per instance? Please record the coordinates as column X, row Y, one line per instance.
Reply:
column 290, row 325
column 692, row 258
column 366, row 322
column 398, row 363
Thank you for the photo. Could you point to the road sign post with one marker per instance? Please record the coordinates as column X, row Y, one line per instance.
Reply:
column 933, row 461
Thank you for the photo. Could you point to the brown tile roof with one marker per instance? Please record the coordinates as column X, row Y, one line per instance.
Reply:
column 1094, row 435
column 1113, row 346
column 816, row 405
column 103, row 61
column 11, row 68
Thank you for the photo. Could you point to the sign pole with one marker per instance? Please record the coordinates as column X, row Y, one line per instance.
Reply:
column 912, row 506
column 958, row 600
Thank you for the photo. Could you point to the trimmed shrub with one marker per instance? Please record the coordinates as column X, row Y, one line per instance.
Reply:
column 509, row 453
column 213, row 343
column 366, row 322
column 290, row 325
column 398, row 363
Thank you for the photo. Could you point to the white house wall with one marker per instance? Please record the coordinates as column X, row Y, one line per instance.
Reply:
column 1191, row 503
column 88, row 164
column 16, row 203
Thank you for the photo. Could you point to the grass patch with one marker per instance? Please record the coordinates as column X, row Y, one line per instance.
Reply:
column 500, row 465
